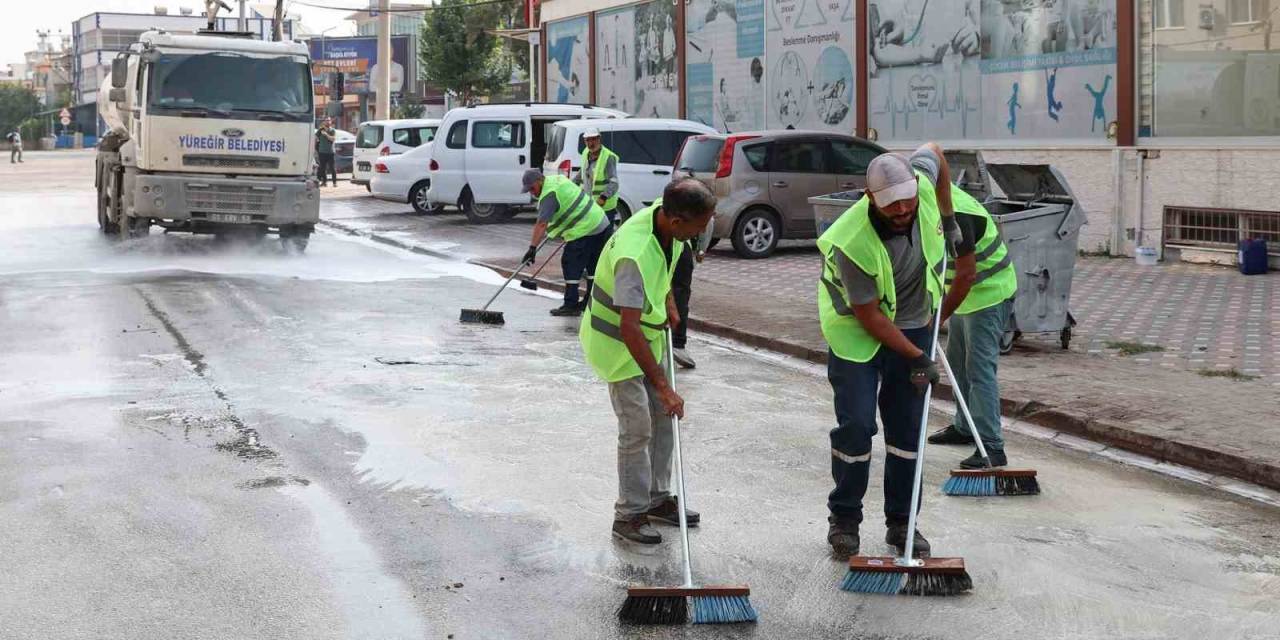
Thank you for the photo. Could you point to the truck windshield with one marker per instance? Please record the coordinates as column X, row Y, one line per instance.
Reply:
column 220, row 84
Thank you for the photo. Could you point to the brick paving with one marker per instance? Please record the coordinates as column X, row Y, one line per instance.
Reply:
column 1159, row 403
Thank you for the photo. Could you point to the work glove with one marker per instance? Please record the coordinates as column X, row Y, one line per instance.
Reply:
column 923, row 372
column 530, row 255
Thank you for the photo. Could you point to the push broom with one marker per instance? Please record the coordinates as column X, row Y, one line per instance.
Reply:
column 483, row 315
column 988, row 481
column 907, row 575
column 670, row 605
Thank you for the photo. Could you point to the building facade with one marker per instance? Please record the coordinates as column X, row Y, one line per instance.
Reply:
column 1161, row 113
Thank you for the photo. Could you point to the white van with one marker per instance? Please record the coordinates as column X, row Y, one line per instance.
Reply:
column 646, row 149
column 484, row 149
column 378, row 138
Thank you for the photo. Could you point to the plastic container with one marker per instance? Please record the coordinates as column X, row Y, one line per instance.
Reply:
column 1253, row 257
column 1146, row 256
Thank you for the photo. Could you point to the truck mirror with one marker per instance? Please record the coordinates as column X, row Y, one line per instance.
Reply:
column 119, row 72
column 116, row 95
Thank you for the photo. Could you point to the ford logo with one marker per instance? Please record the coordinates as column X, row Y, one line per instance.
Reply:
column 233, row 133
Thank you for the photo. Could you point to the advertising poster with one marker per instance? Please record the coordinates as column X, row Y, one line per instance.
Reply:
column 357, row 59
column 991, row 69
column 809, row 78
column 568, row 61
column 636, row 60
column 725, row 64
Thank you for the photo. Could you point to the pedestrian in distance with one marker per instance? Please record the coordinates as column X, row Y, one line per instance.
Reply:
column 598, row 174
column 881, row 283
column 682, row 289
column 973, row 338
column 623, row 338
column 324, row 151
column 15, row 146
column 566, row 211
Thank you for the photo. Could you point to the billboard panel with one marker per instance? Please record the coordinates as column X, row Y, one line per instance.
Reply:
column 636, row 60
column 568, row 73
column 357, row 59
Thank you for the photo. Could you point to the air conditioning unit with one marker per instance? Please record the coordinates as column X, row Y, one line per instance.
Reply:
column 1207, row 17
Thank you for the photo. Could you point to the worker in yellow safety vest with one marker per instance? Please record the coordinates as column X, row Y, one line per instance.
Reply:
column 598, row 174
column 881, row 283
column 623, row 338
column 973, row 338
column 566, row 211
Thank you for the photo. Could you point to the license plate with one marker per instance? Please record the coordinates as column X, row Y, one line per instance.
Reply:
column 363, row 166
column 230, row 218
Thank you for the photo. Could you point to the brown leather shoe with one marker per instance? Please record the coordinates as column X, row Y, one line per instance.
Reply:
column 666, row 513
column 636, row 529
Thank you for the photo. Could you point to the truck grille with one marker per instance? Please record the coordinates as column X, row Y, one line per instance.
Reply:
column 229, row 198
column 230, row 162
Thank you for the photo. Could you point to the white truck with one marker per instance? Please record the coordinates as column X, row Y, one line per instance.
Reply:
column 210, row 133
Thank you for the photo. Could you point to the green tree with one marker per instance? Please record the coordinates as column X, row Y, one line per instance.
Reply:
column 459, row 54
column 16, row 105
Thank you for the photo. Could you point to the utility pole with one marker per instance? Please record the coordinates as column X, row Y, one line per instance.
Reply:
column 382, row 92
column 277, row 28
column 242, row 23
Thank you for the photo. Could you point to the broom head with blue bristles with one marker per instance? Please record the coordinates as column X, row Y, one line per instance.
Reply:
column 933, row 577
column 678, row 605
column 992, row 482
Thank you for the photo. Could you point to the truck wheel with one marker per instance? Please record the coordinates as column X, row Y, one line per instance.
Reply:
column 104, row 213
column 482, row 213
column 132, row 227
column 295, row 239
column 756, row 234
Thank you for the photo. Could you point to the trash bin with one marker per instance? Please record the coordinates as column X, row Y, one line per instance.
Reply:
column 1038, row 218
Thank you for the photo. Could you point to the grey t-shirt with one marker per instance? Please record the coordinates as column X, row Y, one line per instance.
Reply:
column 907, row 257
column 628, row 285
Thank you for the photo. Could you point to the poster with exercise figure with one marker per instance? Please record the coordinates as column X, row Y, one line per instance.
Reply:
column 991, row 69
column 568, row 61
column 636, row 60
column 809, row 78
column 724, row 64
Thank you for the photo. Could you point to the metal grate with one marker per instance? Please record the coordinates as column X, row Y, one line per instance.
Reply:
column 1220, row 228
column 228, row 198
column 242, row 162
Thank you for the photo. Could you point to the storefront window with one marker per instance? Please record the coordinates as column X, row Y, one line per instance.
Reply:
column 1217, row 77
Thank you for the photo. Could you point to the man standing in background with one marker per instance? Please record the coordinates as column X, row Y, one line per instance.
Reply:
column 598, row 175
column 324, row 151
column 15, row 146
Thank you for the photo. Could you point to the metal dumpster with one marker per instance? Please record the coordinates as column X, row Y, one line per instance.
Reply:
column 1038, row 218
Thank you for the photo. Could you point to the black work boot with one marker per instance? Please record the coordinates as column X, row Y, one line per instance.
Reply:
column 896, row 537
column 666, row 513
column 975, row 461
column 950, row 435
column 636, row 529
column 842, row 535
column 567, row 311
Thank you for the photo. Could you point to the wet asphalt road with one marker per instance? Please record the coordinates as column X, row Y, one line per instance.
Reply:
column 205, row 440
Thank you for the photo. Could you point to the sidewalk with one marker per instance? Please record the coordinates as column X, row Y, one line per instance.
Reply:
column 1160, row 404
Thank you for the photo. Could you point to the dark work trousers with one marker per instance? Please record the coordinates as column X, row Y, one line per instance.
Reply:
column 326, row 160
column 681, row 288
column 901, row 406
column 578, row 260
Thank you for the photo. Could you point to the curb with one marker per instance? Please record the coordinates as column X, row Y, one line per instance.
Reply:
column 391, row 242
column 1106, row 432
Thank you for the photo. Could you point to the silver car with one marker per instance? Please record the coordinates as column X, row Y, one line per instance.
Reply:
column 763, row 181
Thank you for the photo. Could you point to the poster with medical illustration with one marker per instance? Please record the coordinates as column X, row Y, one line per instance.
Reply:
column 568, row 61
column 809, row 76
column 725, row 64
column 991, row 69
column 636, row 60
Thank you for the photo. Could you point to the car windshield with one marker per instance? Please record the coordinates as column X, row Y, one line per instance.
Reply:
column 219, row 84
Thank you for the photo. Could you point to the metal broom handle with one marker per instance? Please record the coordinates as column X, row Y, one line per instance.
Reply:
column 906, row 560
column 964, row 407
column 675, row 434
column 513, row 275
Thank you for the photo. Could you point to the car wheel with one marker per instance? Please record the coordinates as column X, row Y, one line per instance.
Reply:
column 479, row 213
column 368, row 187
column 624, row 212
column 418, row 198
column 756, row 234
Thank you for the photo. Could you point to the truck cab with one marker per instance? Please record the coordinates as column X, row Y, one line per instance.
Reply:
column 210, row 133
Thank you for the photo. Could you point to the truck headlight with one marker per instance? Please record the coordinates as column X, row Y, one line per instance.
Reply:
column 159, row 202
column 157, row 190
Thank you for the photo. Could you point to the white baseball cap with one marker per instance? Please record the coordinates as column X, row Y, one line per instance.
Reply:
column 591, row 132
column 890, row 179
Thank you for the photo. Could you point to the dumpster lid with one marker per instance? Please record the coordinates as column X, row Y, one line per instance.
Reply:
column 1030, row 182
column 969, row 172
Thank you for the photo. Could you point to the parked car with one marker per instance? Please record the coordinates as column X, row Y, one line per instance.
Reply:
column 344, row 144
column 763, row 181
column 381, row 138
column 486, row 147
column 646, row 149
column 405, row 178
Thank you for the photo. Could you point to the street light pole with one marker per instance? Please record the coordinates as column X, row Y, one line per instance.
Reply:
column 382, row 92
